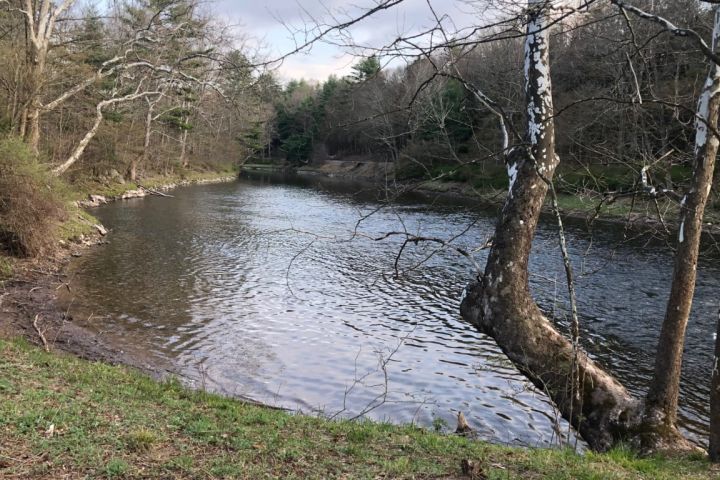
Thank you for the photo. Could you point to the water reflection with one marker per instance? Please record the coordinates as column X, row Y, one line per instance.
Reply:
column 256, row 289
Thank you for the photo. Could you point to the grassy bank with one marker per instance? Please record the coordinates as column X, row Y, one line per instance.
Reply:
column 110, row 188
column 61, row 417
column 580, row 205
column 582, row 191
column 74, row 223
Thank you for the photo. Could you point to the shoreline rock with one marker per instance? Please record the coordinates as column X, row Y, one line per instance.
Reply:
column 95, row 200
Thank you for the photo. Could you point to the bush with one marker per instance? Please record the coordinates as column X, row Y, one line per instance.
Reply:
column 31, row 203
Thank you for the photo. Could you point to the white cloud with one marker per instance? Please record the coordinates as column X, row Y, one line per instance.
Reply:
column 263, row 20
column 314, row 68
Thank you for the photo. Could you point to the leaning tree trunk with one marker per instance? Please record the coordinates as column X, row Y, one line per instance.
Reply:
column 662, row 398
column 80, row 148
column 500, row 304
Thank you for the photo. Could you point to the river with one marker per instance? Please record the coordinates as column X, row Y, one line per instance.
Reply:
column 277, row 291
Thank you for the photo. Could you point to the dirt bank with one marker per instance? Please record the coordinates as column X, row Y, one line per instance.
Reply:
column 30, row 305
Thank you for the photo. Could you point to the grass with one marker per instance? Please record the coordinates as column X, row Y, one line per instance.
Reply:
column 110, row 422
column 79, row 223
column 86, row 186
column 489, row 181
column 6, row 268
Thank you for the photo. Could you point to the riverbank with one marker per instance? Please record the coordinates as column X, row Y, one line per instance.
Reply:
column 586, row 208
column 116, row 423
column 29, row 287
column 62, row 417
column 92, row 194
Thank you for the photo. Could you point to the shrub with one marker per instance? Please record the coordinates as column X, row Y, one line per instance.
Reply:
column 31, row 203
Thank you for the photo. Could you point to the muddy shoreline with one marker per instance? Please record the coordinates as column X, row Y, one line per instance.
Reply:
column 31, row 306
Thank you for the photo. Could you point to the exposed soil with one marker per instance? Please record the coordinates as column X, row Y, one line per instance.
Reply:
column 35, row 290
column 33, row 293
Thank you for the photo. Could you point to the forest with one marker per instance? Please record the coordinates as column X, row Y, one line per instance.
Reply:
column 625, row 95
column 568, row 110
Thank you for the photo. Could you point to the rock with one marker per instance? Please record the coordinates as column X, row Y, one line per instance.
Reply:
column 472, row 469
column 134, row 194
column 101, row 229
column 93, row 201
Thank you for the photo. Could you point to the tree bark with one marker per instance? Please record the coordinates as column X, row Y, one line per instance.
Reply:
column 501, row 305
column 183, row 148
column 34, row 108
column 714, row 446
column 32, row 133
column 40, row 18
column 662, row 398
column 80, row 148
column 143, row 157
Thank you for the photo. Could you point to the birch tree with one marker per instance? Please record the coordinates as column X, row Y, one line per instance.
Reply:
column 501, row 305
column 661, row 403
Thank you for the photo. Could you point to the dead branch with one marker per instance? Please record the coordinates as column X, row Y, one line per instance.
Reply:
column 40, row 333
column 154, row 192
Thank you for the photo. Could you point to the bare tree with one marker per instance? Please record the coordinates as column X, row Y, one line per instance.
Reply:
column 662, row 398
column 40, row 20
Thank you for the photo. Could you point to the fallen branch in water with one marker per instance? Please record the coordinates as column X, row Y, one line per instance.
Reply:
column 155, row 192
column 40, row 333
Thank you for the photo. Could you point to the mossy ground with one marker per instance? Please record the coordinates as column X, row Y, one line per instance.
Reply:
column 6, row 268
column 62, row 417
column 83, row 187
column 79, row 223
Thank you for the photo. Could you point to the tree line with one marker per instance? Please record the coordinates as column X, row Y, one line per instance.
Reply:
column 147, row 85
column 625, row 95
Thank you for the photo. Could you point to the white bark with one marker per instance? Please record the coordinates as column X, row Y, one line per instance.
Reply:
column 80, row 148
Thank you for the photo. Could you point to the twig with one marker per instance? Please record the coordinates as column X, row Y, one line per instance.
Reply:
column 576, row 383
column 40, row 333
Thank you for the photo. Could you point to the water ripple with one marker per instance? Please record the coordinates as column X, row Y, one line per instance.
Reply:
column 216, row 282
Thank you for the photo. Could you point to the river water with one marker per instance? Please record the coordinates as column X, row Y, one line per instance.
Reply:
column 278, row 291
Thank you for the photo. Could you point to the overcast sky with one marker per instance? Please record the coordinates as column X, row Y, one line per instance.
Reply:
column 262, row 20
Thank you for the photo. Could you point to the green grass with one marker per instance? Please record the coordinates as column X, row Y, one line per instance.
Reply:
column 79, row 223
column 110, row 422
column 6, row 268
column 573, row 183
column 83, row 187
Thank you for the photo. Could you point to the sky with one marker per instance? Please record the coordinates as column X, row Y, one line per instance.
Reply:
column 263, row 21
